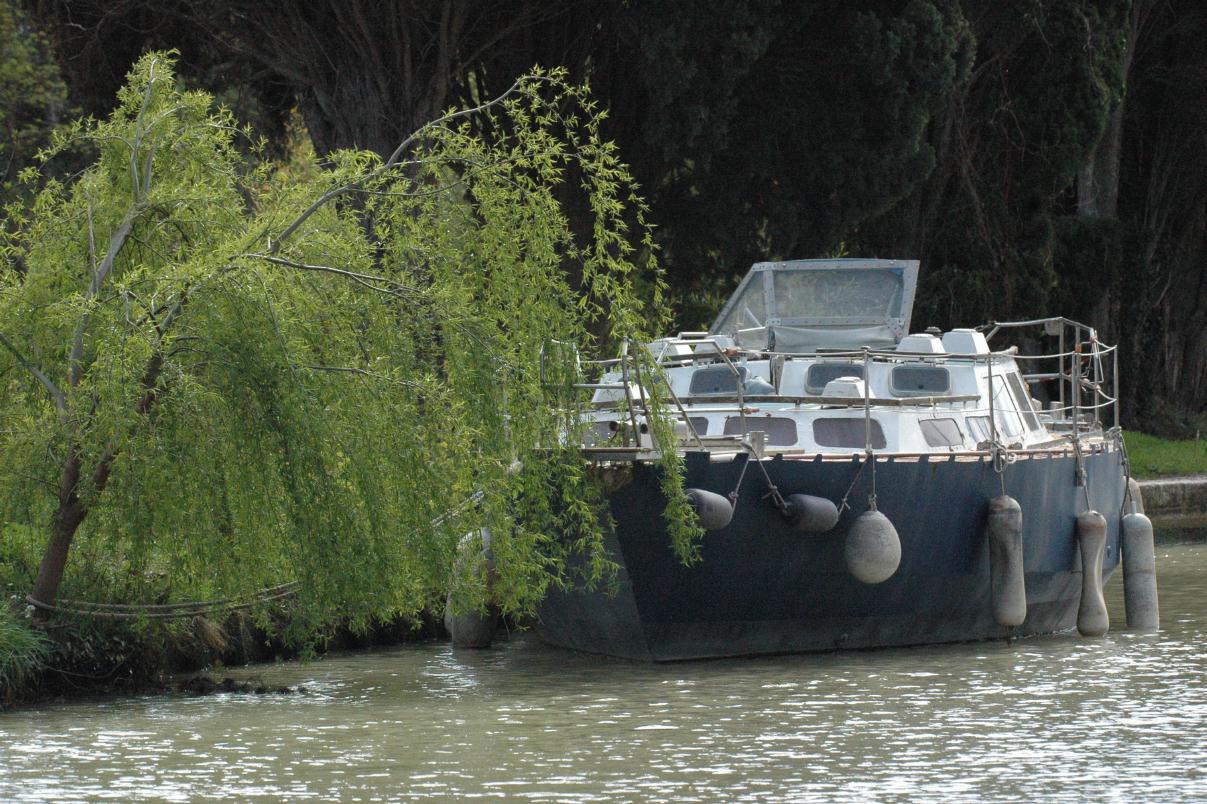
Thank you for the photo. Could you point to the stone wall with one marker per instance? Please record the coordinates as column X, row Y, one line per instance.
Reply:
column 1177, row 507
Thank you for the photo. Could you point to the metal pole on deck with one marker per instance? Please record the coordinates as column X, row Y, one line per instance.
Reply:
column 992, row 416
column 628, row 397
column 867, row 406
column 1075, row 383
column 1115, row 378
column 1060, row 361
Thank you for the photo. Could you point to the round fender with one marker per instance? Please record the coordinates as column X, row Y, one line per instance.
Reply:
column 872, row 548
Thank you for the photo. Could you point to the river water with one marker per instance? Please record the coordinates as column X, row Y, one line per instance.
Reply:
column 1061, row 718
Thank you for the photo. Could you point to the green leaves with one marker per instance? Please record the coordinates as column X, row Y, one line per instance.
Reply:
column 259, row 386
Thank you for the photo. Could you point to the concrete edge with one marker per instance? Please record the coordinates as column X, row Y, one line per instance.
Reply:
column 1177, row 506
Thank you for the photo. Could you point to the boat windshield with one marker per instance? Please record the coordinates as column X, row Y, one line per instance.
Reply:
column 821, row 303
column 854, row 293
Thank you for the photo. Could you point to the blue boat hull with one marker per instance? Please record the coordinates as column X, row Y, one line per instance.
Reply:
column 763, row 588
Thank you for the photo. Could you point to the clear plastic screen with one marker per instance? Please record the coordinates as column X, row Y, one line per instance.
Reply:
column 841, row 293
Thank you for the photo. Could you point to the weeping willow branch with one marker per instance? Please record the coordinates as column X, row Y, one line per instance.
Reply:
column 361, row 279
column 60, row 401
column 364, row 373
column 275, row 245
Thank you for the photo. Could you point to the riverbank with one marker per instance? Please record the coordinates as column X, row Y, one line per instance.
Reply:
column 75, row 657
column 1172, row 474
column 1154, row 457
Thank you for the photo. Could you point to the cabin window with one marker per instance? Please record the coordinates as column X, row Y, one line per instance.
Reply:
column 849, row 432
column 781, row 431
column 941, row 432
column 699, row 424
column 978, row 428
column 1009, row 423
column 920, row 380
column 821, row 374
column 1022, row 400
column 716, row 381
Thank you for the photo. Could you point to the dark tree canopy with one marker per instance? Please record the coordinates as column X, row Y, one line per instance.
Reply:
column 1038, row 156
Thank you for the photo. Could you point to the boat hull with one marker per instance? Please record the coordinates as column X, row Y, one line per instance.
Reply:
column 763, row 588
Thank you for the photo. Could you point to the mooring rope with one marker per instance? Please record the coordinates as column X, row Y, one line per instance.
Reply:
column 166, row 611
column 1000, row 457
column 843, row 505
column 192, row 608
column 1082, row 476
column 1116, row 434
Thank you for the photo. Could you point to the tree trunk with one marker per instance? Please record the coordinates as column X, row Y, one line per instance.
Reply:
column 72, row 511
column 65, row 522
column 1098, row 179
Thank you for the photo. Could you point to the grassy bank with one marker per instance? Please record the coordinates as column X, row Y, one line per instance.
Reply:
column 1161, row 457
column 81, row 656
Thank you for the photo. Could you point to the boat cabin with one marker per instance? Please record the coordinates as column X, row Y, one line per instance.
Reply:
column 817, row 356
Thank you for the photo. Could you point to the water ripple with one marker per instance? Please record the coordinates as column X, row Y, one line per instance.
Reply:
column 1058, row 719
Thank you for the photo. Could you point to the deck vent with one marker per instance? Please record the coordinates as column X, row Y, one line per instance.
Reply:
column 965, row 342
column 845, row 388
column 921, row 344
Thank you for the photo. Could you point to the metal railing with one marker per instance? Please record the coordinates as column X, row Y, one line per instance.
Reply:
column 1087, row 385
column 1083, row 370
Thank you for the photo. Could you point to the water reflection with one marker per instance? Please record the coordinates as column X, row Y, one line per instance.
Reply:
column 1057, row 718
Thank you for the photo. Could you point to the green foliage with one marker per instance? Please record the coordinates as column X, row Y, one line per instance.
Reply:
column 1151, row 456
column 23, row 653
column 795, row 125
column 33, row 98
column 960, row 132
column 262, row 388
column 1048, row 75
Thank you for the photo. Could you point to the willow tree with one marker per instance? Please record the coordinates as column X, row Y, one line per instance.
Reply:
column 218, row 375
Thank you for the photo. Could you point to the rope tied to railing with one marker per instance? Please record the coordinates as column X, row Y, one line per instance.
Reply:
column 773, row 492
column 869, row 456
column 1000, row 457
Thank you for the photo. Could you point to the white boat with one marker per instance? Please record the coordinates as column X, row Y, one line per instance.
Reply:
column 861, row 485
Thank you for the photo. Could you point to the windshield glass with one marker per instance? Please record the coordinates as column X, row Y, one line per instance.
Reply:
column 749, row 310
column 805, row 305
column 843, row 293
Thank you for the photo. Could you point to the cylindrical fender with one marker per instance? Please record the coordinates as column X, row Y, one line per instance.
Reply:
column 810, row 514
column 1092, row 617
column 1006, row 575
column 1140, row 573
column 713, row 510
